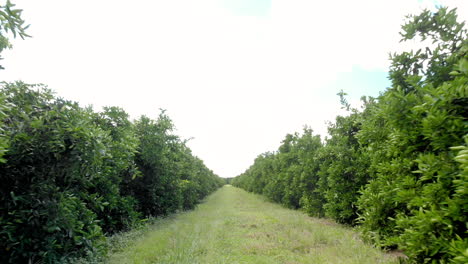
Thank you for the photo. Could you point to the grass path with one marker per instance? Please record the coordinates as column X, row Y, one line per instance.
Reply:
column 234, row 226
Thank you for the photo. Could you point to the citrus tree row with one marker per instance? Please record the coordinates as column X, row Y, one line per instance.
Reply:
column 399, row 167
column 70, row 175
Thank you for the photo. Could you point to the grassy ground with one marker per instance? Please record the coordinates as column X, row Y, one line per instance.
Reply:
column 234, row 226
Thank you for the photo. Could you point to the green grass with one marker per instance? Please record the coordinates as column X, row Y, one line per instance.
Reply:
column 233, row 226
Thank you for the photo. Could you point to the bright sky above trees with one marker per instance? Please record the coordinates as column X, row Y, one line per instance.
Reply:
column 234, row 75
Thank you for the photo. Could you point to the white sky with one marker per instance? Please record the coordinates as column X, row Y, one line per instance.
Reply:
column 234, row 75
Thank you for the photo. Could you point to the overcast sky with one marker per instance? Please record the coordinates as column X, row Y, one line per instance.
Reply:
column 236, row 75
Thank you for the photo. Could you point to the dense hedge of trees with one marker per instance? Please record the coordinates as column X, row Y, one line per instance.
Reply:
column 397, row 168
column 70, row 175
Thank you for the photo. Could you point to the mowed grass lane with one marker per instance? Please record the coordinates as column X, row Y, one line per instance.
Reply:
column 234, row 226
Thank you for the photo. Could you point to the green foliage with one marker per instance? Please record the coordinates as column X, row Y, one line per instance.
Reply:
column 157, row 190
column 436, row 60
column 118, row 212
column 171, row 177
column 68, row 175
column 322, row 180
column 10, row 22
column 410, row 202
column 343, row 168
column 419, row 180
column 393, row 167
column 306, row 177
column 3, row 137
column 55, row 154
column 457, row 207
column 288, row 176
